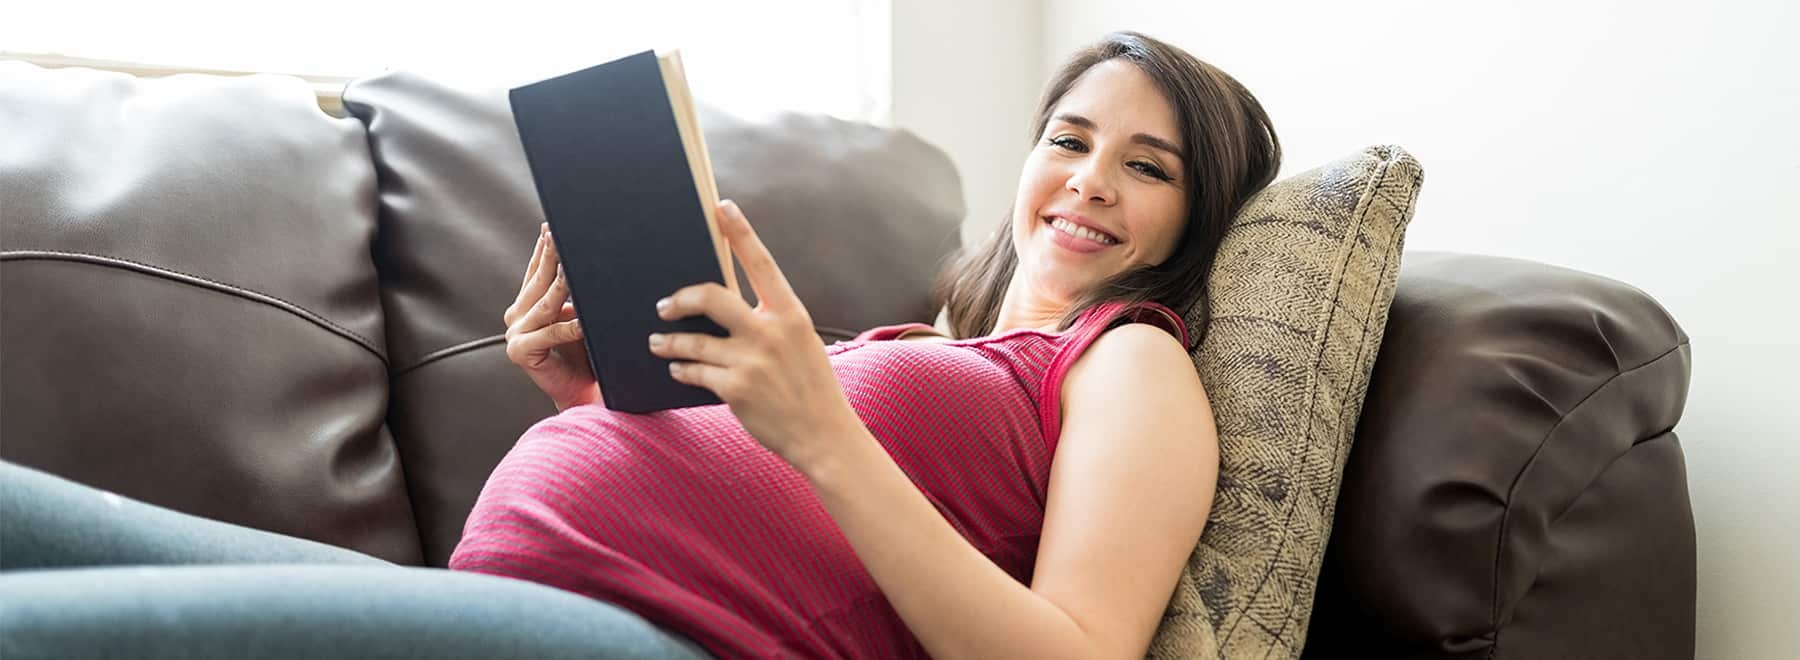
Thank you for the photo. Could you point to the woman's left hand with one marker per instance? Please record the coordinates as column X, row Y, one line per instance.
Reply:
column 772, row 370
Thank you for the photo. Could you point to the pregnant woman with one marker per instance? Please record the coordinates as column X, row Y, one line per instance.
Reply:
column 1027, row 486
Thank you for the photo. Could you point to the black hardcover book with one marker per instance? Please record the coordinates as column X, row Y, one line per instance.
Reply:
column 622, row 174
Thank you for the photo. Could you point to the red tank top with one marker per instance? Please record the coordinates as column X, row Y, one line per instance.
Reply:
column 681, row 517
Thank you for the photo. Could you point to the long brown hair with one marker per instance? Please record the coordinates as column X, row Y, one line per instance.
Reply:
column 1232, row 153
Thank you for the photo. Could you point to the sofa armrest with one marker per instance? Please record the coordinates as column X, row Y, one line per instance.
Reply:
column 1516, row 489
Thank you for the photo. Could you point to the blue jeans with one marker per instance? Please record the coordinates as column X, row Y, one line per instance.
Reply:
column 88, row 574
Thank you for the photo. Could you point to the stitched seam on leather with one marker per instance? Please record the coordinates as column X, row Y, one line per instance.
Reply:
column 198, row 281
column 449, row 351
column 1506, row 512
column 1609, row 465
column 1365, row 204
column 1559, row 516
column 473, row 344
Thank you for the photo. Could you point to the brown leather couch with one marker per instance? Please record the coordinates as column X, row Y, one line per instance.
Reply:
column 219, row 299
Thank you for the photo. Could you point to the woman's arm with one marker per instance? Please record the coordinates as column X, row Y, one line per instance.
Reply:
column 1130, row 488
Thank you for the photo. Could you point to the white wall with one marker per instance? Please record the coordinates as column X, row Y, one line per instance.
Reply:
column 965, row 79
column 1655, row 143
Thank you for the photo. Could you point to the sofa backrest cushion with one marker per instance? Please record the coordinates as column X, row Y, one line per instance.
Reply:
column 191, row 312
column 858, row 216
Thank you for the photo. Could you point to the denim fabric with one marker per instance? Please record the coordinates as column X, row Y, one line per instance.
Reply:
column 50, row 522
column 89, row 574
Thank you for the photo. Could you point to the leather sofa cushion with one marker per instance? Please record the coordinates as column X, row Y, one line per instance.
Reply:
column 191, row 312
column 1516, row 489
column 1299, row 298
column 858, row 217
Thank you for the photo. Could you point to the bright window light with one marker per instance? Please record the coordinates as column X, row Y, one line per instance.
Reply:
column 829, row 56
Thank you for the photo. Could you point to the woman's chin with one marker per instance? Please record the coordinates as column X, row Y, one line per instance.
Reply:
column 1070, row 267
column 1061, row 273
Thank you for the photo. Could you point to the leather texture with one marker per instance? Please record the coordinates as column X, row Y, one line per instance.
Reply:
column 1517, row 490
column 191, row 312
column 1299, row 297
column 857, row 216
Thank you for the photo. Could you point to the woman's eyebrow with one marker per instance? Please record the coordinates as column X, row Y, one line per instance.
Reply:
column 1145, row 139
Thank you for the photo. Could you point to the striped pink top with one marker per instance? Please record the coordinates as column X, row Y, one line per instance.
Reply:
column 682, row 517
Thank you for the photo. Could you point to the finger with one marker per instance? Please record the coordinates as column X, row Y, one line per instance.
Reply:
column 563, row 332
column 543, row 268
column 531, row 268
column 537, row 251
column 545, row 311
column 549, row 270
column 691, row 347
column 530, row 349
column 568, row 312
column 771, row 286
column 712, row 300
column 700, row 374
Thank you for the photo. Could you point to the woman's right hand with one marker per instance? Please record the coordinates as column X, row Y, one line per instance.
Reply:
column 543, row 336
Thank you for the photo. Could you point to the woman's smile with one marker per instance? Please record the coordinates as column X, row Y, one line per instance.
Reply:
column 1077, row 238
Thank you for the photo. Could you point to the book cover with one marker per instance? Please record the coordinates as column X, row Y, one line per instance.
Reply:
column 623, row 178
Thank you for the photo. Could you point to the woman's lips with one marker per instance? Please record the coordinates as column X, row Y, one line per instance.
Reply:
column 1073, row 243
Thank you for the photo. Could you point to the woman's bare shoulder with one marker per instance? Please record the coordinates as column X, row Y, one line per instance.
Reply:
column 1134, row 355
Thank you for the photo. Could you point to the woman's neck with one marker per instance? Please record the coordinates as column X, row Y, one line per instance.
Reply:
column 1021, row 308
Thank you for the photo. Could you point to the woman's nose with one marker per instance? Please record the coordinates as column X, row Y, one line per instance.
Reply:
column 1093, row 185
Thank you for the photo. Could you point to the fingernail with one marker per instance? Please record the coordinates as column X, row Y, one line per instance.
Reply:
column 663, row 305
column 656, row 340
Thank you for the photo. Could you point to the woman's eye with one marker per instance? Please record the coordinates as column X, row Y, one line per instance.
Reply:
column 1149, row 169
column 1153, row 171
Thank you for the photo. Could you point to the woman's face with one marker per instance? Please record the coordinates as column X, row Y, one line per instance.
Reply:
column 1108, row 160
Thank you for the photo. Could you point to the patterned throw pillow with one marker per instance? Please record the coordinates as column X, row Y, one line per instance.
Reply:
column 1300, row 296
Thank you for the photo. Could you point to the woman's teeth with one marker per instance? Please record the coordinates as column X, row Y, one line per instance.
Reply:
column 1073, row 229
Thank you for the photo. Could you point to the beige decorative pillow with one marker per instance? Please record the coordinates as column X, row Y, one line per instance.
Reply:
column 1300, row 296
